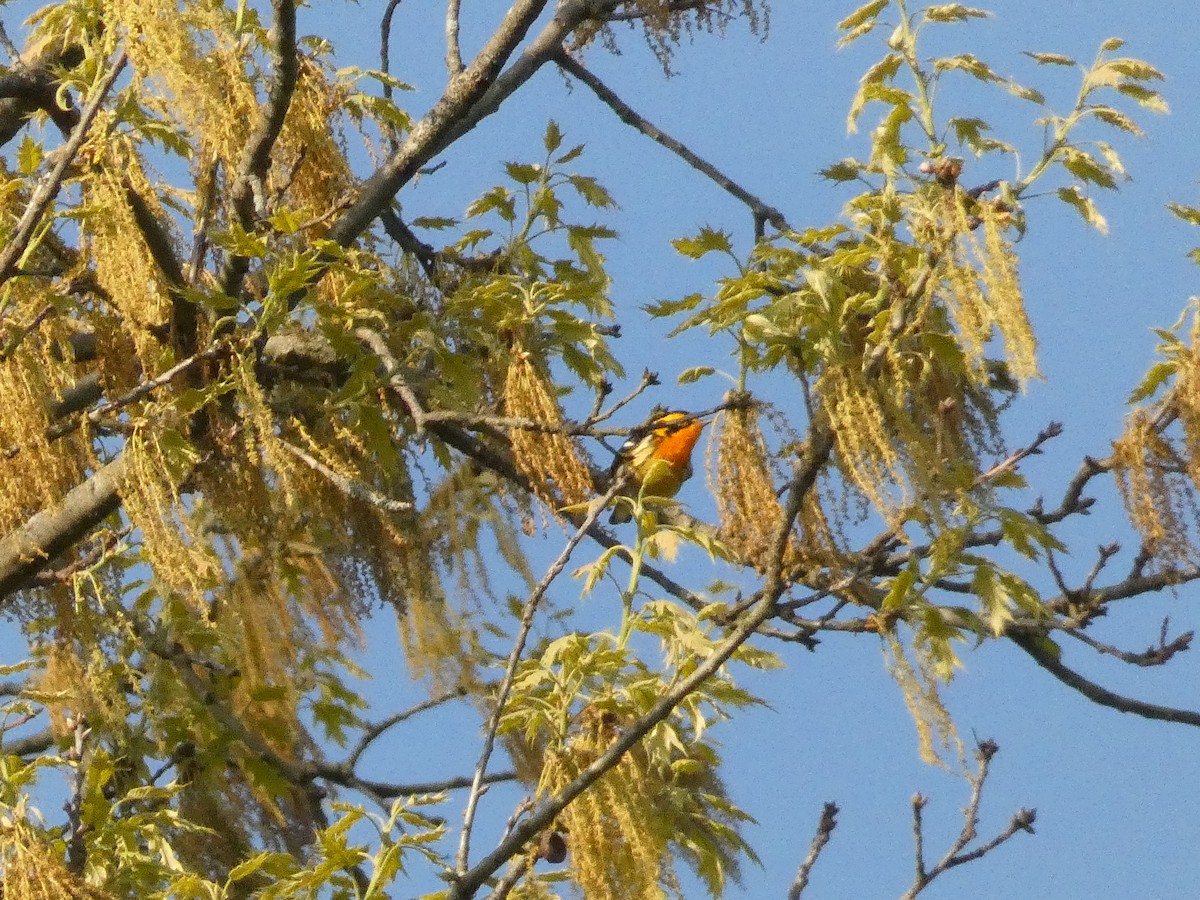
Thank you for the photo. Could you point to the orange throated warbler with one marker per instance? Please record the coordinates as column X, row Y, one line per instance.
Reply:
column 658, row 458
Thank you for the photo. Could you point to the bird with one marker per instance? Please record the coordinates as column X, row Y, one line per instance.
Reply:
column 658, row 458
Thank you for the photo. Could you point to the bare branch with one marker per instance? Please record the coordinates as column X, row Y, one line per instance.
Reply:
column 454, row 61
column 627, row 115
column 958, row 854
column 1010, row 463
column 820, row 839
column 1151, row 656
column 1034, row 643
column 373, row 732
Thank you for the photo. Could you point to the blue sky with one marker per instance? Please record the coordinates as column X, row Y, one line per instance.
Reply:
column 1116, row 796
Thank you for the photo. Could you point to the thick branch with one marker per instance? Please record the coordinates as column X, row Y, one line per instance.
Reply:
column 474, row 93
column 256, row 156
column 24, row 552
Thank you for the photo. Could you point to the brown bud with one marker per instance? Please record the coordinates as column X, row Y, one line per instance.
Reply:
column 552, row 847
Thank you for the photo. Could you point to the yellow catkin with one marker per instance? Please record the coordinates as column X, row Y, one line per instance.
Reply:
column 1154, row 497
column 124, row 266
column 868, row 452
column 34, row 471
column 309, row 138
column 936, row 733
column 180, row 556
column 749, row 509
column 32, row 872
column 190, row 61
column 1185, row 397
column 550, row 460
column 983, row 290
column 618, row 831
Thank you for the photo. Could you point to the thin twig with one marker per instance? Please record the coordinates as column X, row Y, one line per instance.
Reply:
column 514, row 658
column 627, row 115
column 1034, row 643
column 356, row 490
column 373, row 732
column 1010, row 463
column 958, row 854
column 1151, row 656
column 516, row 871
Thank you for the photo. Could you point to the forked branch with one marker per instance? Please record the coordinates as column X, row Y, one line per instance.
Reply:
column 958, row 854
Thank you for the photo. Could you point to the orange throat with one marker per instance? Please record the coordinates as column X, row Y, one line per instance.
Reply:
column 676, row 448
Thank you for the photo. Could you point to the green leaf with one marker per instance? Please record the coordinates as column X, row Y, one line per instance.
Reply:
column 1025, row 93
column 846, row 170
column 1111, row 44
column 1136, row 69
column 595, row 571
column 898, row 594
column 1151, row 100
column 29, row 155
column 571, row 155
column 552, row 140
column 969, row 63
column 524, row 173
column 1154, row 379
column 954, row 12
column 694, row 374
column 707, row 241
column 1189, row 214
column 862, row 15
column 1050, row 59
column 278, row 863
column 993, row 599
column 435, row 223
column 1084, row 206
column 498, row 199
column 1087, row 168
column 1116, row 119
column 664, row 308
column 590, row 190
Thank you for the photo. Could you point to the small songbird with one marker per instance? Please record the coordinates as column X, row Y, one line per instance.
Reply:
column 658, row 458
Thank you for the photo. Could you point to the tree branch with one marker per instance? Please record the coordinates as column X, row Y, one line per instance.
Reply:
column 1033, row 643
column 1022, row 821
column 761, row 211
column 820, row 839
column 50, row 184
column 256, row 156
column 26, row 551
